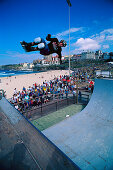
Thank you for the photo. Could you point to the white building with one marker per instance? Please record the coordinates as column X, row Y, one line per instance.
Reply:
column 51, row 60
column 103, row 73
column 25, row 65
column 28, row 65
column 48, row 57
column 98, row 54
column 55, row 60
column 88, row 55
column 45, row 62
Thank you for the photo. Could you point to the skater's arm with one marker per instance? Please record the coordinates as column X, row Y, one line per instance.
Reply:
column 29, row 46
column 52, row 39
column 48, row 38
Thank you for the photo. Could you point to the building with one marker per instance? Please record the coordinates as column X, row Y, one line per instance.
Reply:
column 88, row 55
column 111, row 55
column 98, row 54
column 28, row 65
column 25, row 65
column 67, row 57
column 48, row 57
column 55, row 60
column 103, row 73
column 38, row 61
column 76, row 57
column 51, row 60
column 106, row 56
column 46, row 62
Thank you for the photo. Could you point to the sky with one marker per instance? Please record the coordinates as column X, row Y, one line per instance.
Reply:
column 91, row 26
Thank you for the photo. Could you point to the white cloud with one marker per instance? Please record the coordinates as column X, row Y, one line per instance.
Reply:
column 107, row 31
column 105, row 46
column 103, row 40
column 86, row 44
column 72, row 30
column 109, row 37
column 99, row 38
column 107, row 34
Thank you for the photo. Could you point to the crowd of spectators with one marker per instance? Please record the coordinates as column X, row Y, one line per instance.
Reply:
column 59, row 87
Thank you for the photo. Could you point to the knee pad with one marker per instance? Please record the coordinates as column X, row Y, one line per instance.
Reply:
column 41, row 45
column 37, row 40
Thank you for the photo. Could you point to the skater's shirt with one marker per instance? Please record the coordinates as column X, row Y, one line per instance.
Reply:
column 54, row 45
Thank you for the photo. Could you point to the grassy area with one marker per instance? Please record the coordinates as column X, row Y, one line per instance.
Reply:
column 55, row 117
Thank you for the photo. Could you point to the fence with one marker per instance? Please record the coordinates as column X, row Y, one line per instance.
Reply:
column 52, row 106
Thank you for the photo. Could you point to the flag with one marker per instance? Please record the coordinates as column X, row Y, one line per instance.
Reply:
column 69, row 3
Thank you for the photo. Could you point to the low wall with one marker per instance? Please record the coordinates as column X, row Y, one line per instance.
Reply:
column 46, row 154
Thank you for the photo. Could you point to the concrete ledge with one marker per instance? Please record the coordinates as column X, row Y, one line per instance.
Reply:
column 44, row 152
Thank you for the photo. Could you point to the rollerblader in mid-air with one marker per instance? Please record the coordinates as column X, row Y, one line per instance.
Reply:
column 45, row 49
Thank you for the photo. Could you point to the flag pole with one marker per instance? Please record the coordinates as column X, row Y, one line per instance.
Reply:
column 69, row 4
column 69, row 41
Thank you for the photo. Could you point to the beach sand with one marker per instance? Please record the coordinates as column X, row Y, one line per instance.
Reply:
column 8, row 84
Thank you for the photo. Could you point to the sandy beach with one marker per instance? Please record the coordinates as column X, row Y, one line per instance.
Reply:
column 10, row 83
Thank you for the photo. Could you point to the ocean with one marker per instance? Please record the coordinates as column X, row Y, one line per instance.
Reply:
column 9, row 73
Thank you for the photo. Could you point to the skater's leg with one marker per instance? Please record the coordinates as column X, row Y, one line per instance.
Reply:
column 60, row 61
column 30, row 48
column 23, row 43
column 38, row 40
column 35, row 42
column 60, row 56
column 41, row 46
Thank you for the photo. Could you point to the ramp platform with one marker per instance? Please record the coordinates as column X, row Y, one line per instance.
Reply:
column 87, row 137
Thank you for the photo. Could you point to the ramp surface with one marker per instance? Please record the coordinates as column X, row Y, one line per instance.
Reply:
column 23, row 147
column 87, row 137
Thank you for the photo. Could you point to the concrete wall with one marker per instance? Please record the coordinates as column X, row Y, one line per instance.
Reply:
column 46, row 154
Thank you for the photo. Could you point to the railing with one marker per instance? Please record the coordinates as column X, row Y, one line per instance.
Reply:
column 52, row 106
column 56, row 102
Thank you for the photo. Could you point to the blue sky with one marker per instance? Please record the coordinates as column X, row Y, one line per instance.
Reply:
column 91, row 26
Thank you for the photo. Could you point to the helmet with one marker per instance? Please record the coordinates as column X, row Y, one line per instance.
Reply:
column 48, row 36
column 63, row 42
